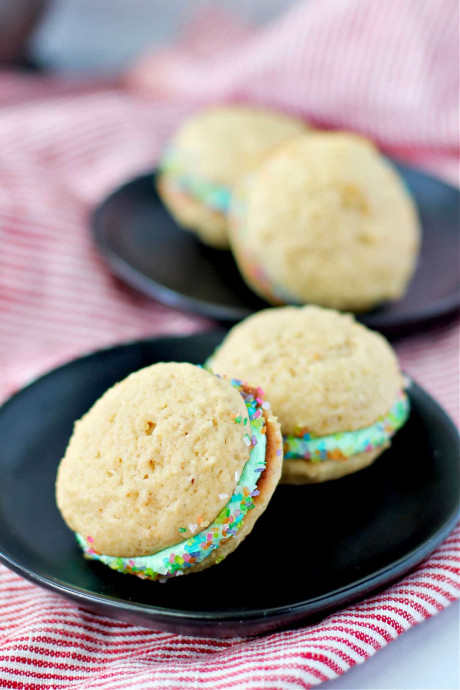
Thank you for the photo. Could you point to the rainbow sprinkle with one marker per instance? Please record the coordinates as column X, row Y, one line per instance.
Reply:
column 343, row 445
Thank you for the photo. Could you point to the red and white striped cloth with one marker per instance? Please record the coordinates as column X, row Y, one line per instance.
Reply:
column 385, row 68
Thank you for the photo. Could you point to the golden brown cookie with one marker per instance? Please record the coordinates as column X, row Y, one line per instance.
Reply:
column 334, row 385
column 207, row 155
column 169, row 470
column 325, row 219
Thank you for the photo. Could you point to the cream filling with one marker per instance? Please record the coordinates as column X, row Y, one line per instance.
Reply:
column 213, row 195
column 343, row 445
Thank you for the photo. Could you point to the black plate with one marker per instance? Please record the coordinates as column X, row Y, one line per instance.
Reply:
column 146, row 248
column 315, row 548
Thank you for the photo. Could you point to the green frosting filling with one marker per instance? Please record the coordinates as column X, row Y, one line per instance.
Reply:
column 214, row 196
column 175, row 559
column 343, row 445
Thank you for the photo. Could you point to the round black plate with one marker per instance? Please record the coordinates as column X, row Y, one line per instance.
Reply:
column 315, row 548
column 146, row 248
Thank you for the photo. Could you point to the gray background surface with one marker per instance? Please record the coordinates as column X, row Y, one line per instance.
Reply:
column 102, row 36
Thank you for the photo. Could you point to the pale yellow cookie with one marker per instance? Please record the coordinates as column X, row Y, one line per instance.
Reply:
column 157, row 459
column 207, row 155
column 209, row 224
column 325, row 219
column 334, row 385
column 297, row 471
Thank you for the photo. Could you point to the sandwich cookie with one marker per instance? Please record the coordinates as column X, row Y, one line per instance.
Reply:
column 335, row 387
column 169, row 470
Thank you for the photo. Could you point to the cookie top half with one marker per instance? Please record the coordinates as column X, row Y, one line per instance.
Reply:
column 155, row 458
column 321, row 370
column 329, row 221
column 224, row 142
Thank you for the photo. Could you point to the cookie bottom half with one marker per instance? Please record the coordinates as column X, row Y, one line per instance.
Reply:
column 300, row 471
column 210, row 225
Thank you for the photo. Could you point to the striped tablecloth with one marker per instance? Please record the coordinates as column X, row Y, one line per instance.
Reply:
column 382, row 67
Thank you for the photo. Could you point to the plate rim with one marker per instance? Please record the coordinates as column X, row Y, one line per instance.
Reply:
column 178, row 300
column 298, row 610
column 367, row 585
column 139, row 280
